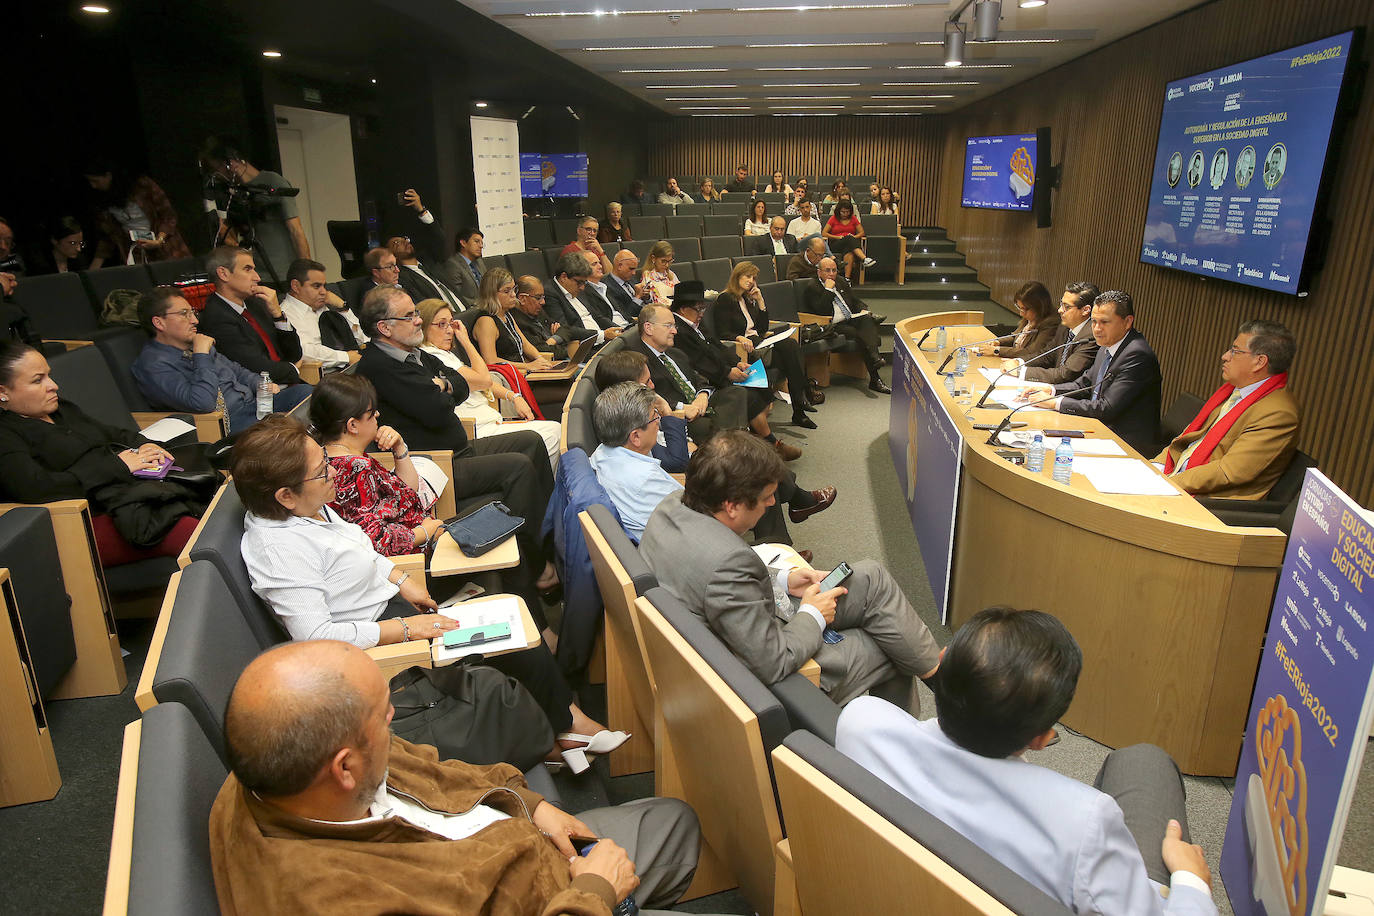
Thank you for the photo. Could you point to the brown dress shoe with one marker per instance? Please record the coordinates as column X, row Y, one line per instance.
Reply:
column 805, row 555
column 788, row 452
column 824, row 498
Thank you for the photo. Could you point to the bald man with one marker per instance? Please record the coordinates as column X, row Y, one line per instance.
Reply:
column 326, row 810
column 538, row 326
column 626, row 289
column 807, row 264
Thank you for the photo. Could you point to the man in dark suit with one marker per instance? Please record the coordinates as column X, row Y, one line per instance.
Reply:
column 423, row 271
column 1122, row 387
column 245, row 320
column 595, row 295
column 807, row 263
column 564, row 304
column 536, row 324
column 776, row 242
column 626, row 290
column 465, row 267
column 382, row 270
column 1075, row 315
column 831, row 294
column 707, row 409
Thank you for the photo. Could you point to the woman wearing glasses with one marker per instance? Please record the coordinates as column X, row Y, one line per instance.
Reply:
column 499, row 338
column 66, row 252
column 447, row 338
column 323, row 578
column 659, row 276
column 1040, row 328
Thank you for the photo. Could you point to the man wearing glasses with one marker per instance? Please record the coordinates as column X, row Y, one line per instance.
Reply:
column 1244, row 437
column 382, row 270
column 586, row 242
column 424, row 277
column 537, row 325
column 180, row 369
column 244, row 317
column 564, row 305
column 627, row 421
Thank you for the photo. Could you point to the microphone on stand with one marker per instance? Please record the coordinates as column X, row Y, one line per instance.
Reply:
column 976, row 343
column 1006, row 421
column 984, row 398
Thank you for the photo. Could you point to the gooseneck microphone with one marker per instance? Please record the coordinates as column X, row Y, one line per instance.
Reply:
column 984, row 398
column 955, row 352
column 1006, row 421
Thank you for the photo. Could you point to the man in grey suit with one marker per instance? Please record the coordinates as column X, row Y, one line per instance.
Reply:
column 1005, row 679
column 1075, row 315
column 772, row 617
column 465, row 267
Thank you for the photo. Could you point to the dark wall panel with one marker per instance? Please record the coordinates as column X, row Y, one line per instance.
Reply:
column 1104, row 109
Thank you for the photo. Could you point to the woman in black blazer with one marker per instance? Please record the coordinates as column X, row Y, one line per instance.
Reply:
column 1040, row 328
column 740, row 314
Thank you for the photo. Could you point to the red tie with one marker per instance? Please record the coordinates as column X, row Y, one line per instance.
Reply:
column 267, row 341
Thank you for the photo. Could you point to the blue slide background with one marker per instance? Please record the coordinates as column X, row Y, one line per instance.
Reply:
column 570, row 179
column 987, row 172
column 1255, row 234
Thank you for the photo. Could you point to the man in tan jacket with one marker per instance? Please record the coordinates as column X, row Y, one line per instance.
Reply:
column 1245, row 435
column 325, row 811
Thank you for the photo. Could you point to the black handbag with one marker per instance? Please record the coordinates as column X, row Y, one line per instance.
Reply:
column 471, row 713
column 814, row 333
column 483, row 529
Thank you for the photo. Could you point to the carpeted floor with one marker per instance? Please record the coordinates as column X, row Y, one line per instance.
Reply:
column 53, row 854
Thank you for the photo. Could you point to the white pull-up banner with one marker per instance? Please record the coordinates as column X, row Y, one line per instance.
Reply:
column 496, row 177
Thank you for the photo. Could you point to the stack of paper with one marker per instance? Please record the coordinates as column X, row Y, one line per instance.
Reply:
column 1122, row 475
column 167, row 429
column 484, row 613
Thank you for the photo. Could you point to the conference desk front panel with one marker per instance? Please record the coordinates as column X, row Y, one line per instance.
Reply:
column 1168, row 604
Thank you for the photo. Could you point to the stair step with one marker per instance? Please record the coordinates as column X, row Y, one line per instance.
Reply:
column 934, row 259
column 925, row 233
column 914, row 246
column 918, row 269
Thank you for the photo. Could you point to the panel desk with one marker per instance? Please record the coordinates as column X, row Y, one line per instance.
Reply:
column 1168, row 604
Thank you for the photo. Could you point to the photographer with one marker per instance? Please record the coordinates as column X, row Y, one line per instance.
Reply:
column 257, row 215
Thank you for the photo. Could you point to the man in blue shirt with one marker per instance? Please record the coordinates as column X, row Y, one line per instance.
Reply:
column 1004, row 680
column 628, row 414
column 180, row 369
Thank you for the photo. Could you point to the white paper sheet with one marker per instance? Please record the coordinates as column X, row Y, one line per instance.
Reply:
column 167, row 429
column 500, row 610
column 769, row 341
column 1008, row 381
column 1121, row 475
column 1106, row 448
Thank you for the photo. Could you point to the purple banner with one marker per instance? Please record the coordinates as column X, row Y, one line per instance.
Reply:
column 925, row 447
column 1310, row 714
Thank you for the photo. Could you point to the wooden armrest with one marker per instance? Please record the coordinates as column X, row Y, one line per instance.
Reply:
column 811, row 671
column 469, row 426
column 808, row 318
column 680, row 478
column 446, row 507
column 70, row 344
column 397, row 657
column 413, row 563
column 209, row 426
column 310, row 370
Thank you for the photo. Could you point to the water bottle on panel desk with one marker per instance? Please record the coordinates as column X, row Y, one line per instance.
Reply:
column 941, row 338
column 1035, row 455
column 1063, row 462
column 949, row 384
column 961, row 361
column 264, row 395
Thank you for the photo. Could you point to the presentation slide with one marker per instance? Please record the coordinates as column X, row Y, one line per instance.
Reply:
column 1239, row 163
column 999, row 172
column 553, row 174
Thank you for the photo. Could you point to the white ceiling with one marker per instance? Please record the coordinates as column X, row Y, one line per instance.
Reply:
column 746, row 57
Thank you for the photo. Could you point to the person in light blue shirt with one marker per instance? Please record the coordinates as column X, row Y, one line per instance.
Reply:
column 180, row 369
column 1004, row 680
column 628, row 414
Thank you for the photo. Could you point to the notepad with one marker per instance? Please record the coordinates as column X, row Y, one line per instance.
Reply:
column 497, row 610
column 1122, row 475
column 167, row 429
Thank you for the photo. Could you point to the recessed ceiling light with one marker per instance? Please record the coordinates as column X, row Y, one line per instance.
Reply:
column 698, row 98
column 480, row 104
column 799, row 69
column 374, row 80
column 882, row 98
column 654, row 48
column 698, row 86
column 820, row 8
column 817, row 107
column 889, row 114
column 271, row 54
column 679, row 70
column 802, row 98
column 1031, row 4
column 714, row 107
column 942, row 66
column 808, row 85
column 937, row 83
column 1004, row 41
column 824, row 44
column 95, row 8
column 720, row 116
column 567, row 14
column 899, row 106
column 806, row 114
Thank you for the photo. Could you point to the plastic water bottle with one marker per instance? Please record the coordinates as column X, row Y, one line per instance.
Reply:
column 1035, row 455
column 1063, row 461
column 941, row 338
column 264, row 395
column 961, row 361
column 949, row 384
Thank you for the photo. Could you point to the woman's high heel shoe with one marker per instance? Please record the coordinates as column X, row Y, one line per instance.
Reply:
column 603, row 742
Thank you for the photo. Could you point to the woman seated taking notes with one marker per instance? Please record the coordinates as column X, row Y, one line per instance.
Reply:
column 322, row 578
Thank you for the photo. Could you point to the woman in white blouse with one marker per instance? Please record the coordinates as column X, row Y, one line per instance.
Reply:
column 659, row 276
column 779, row 185
column 757, row 223
column 447, row 338
column 323, row 579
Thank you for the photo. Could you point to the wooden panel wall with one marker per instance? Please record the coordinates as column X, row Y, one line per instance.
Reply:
column 901, row 151
column 1104, row 110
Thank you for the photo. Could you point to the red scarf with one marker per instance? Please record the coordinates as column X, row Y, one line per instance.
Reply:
column 1203, row 453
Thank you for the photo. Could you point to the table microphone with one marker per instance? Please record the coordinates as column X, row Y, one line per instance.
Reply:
column 1006, row 421
column 955, row 352
column 984, row 398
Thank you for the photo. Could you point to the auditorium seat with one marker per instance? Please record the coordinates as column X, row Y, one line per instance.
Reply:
column 1276, row 510
column 765, row 267
column 528, row 263
column 610, row 248
column 641, row 250
column 551, row 256
column 648, row 228
column 721, row 246
column 538, row 233
column 722, row 224
column 58, row 306
column 160, row 850
column 715, row 273
column 580, row 430
column 120, row 347
column 657, row 209
column 680, row 225
column 102, row 282
column 165, row 273
column 775, row 200
column 735, row 205
column 830, row 802
column 696, row 209
column 565, row 230
column 349, row 238
column 1176, row 419
column 489, row 261
column 28, row 549
column 685, row 270
column 686, row 249
column 879, row 224
column 781, row 299
column 780, row 263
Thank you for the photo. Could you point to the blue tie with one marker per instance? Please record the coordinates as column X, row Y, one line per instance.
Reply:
column 475, row 272
column 1101, row 376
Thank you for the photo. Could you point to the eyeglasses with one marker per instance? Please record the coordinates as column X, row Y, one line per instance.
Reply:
column 507, row 289
column 537, row 297
column 392, row 266
column 663, row 324
column 442, row 325
column 408, row 316
column 323, row 475
column 181, row 313
column 1237, row 351
column 73, row 243
column 654, row 417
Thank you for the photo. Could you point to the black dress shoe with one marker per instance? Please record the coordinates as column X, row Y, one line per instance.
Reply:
column 876, row 383
column 799, row 418
column 809, row 408
column 824, row 499
column 881, row 319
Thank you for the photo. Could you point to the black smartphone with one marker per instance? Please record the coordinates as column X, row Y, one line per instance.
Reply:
column 401, row 198
column 836, row 577
column 991, row 426
column 1063, row 433
column 582, row 844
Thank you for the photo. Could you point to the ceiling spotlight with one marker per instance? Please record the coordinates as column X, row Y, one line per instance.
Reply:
column 95, row 8
column 954, row 45
column 986, row 13
column 1031, row 4
column 374, row 80
column 271, row 53
column 480, row 104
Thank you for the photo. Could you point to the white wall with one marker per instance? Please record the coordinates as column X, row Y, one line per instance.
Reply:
column 317, row 157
